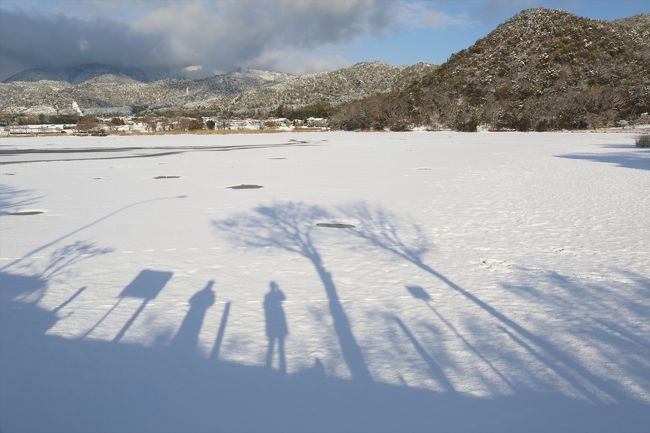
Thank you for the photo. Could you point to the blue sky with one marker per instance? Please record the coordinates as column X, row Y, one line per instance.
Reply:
column 288, row 35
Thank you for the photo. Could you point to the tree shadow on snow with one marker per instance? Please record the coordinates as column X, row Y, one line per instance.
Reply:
column 637, row 159
column 407, row 241
column 12, row 198
column 51, row 383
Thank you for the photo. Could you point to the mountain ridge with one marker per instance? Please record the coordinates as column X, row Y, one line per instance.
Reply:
column 241, row 91
column 540, row 69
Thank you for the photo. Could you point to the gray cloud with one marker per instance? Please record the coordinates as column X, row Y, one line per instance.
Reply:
column 28, row 41
column 218, row 35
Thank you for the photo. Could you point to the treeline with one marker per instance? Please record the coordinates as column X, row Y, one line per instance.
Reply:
column 40, row 119
column 152, row 123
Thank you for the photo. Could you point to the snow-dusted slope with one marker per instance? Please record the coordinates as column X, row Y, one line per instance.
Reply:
column 491, row 282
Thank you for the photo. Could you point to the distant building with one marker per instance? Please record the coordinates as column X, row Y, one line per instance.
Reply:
column 76, row 109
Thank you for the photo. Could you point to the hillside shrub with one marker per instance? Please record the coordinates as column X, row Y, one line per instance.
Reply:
column 543, row 125
column 87, row 123
column 64, row 118
column 189, row 124
column 470, row 125
column 320, row 109
column 399, row 126
column 643, row 141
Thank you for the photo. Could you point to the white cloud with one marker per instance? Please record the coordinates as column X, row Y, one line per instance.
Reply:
column 298, row 61
column 420, row 14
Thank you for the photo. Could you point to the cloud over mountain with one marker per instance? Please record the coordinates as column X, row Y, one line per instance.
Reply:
column 218, row 35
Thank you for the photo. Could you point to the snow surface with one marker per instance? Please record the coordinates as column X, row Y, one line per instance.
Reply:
column 492, row 282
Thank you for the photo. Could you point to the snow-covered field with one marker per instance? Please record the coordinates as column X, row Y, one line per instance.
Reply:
column 491, row 282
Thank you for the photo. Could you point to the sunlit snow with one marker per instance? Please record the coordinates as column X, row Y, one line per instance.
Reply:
column 325, row 282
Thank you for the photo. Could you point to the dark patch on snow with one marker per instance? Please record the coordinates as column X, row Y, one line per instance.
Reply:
column 277, row 157
column 166, row 177
column 172, row 151
column 26, row 212
column 9, row 174
column 97, row 178
column 336, row 225
column 246, row 186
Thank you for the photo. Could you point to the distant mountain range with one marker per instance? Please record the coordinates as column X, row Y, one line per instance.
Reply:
column 103, row 90
column 80, row 73
column 541, row 69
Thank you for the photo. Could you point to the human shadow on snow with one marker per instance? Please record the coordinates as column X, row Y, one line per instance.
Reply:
column 50, row 383
column 276, row 326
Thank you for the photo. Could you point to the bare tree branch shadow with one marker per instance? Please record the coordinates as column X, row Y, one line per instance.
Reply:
column 84, row 227
column 407, row 241
column 11, row 197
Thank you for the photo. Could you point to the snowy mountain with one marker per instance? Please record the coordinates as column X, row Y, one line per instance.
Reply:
column 238, row 91
column 541, row 69
column 110, row 91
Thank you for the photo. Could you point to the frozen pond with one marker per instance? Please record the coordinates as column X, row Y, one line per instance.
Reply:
column 325, row 282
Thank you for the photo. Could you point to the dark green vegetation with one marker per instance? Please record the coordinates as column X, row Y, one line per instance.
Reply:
column 643, row 140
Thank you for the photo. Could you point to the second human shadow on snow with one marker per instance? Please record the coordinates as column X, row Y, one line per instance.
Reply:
column 276, row 326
